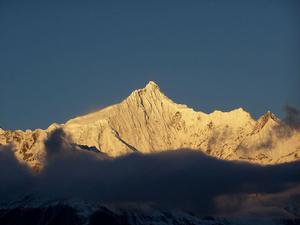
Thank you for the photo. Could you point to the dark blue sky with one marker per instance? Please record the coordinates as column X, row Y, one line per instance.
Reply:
column 62, row 58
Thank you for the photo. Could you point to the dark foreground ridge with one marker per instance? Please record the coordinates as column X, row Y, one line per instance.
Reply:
column 67, row 215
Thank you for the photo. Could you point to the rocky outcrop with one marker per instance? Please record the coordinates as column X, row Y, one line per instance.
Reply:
column 28, row 145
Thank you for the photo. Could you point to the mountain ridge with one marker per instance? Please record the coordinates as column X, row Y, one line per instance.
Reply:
column 148, row 121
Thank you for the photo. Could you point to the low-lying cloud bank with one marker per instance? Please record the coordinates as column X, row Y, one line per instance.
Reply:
column 180, row 179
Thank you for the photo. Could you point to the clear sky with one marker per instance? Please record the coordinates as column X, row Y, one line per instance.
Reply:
column 62, row 58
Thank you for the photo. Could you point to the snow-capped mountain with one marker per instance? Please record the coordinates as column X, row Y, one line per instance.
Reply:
column 148, row 121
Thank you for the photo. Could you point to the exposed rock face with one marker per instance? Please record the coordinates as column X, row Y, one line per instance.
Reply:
column 28, row 145
column 148, row 121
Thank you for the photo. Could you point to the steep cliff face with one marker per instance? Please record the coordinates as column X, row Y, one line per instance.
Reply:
column 148, row 121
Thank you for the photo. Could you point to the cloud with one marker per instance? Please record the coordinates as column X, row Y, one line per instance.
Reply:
column 285, row 204
column 292, row 118
column 13, row 175
column 289, row 124
column 182, row 179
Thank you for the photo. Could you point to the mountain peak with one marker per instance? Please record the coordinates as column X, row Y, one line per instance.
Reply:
column 269, row 115
column 151, row 90
column 268, row 118
column 151, row 85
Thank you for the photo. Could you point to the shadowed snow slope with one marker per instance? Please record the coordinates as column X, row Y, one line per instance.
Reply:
column 148, row 121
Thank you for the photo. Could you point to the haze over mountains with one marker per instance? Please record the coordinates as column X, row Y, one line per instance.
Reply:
column 148, row 121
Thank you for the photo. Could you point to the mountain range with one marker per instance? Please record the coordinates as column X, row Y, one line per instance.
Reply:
column 147, row 121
